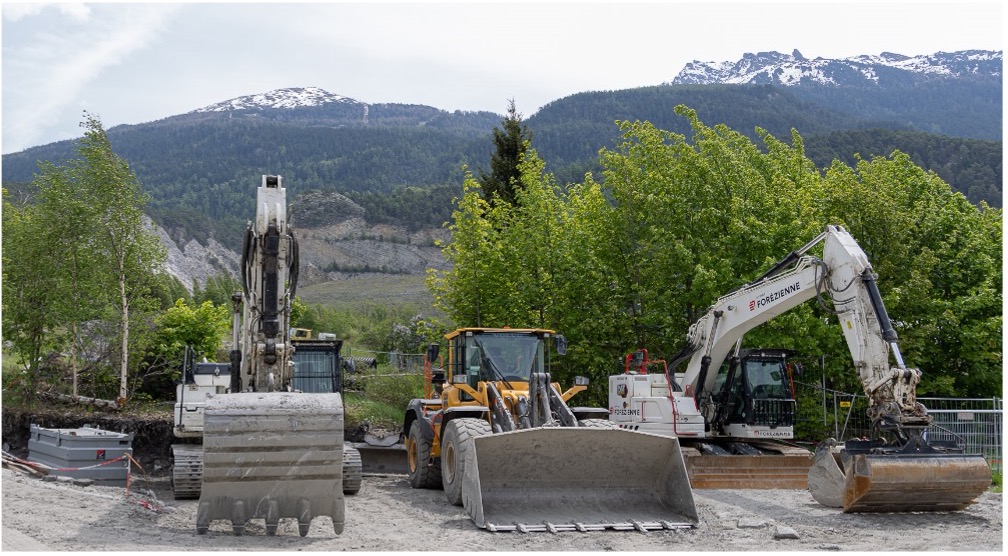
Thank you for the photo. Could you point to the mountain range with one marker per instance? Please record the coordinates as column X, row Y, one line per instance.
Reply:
column 886, row 69
column 388, row 171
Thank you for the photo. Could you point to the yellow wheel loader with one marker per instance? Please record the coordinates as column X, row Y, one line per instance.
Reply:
column 500, row 438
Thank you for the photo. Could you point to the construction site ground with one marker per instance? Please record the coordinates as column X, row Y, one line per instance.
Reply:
column 388, row 515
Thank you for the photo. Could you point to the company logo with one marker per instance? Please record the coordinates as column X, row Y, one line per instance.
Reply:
column 626, row 412
column 769, row 299
column 622, row 390
column 781, row 434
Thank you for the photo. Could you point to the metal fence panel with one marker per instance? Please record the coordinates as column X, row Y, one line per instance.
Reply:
column 975, row 424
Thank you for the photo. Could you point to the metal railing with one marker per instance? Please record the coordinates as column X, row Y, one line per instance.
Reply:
column 974, row 424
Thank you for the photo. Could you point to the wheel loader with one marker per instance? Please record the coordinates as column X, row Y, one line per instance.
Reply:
column 500, row 438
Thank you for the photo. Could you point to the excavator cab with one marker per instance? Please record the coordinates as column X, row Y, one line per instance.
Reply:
column 754, row 395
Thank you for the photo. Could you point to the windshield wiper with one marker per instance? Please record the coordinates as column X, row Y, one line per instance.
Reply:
column 492, row 366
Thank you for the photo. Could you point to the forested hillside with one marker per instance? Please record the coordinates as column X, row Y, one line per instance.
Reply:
column 972, row 167
column 404, row 163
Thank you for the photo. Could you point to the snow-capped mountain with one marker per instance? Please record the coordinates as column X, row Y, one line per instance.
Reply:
column 795, row 69
column 293, row 97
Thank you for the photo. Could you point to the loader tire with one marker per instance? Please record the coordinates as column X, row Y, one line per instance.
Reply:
column 418, row 449
column 458, row 440
column 596, row 424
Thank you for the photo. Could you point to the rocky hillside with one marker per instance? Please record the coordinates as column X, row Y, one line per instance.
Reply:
column 331, row 248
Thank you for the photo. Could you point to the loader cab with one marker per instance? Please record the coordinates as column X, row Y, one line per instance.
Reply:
column 755, row 393
column 495, row 354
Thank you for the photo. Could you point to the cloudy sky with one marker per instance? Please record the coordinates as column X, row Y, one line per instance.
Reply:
column 137, row 62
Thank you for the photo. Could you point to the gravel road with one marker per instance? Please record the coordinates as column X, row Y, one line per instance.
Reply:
column 387, row 515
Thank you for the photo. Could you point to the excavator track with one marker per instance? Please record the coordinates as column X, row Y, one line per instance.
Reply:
column 187, row 471
column 352, row 469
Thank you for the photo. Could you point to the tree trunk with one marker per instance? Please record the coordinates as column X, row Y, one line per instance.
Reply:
column 124, row 355
column 73, row 355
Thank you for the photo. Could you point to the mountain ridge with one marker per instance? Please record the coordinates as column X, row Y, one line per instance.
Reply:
column 794, row 69
column 201, row 166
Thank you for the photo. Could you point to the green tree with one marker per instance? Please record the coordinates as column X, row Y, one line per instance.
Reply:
column 67, row 225
column 511, row 141
column 88, row 254
column 28, row 280
column 677, row 222
column 218, row 288
column 204, row 327
column 124, row 238
column 468, row 292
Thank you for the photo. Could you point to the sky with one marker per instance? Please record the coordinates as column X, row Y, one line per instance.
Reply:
column 130, row 63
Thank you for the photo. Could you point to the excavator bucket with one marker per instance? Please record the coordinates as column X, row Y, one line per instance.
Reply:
column 584, row 479
column 271, row 456
column 896, row 482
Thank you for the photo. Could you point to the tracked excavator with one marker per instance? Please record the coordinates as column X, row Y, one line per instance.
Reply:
column 271, row 447
column 899, row 470
column 500, row 438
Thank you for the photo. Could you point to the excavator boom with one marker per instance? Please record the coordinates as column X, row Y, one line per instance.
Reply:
column 906, row 473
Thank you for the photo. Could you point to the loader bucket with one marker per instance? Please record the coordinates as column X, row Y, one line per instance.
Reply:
column 271, row 456
column 898, row 482
column 585, row 479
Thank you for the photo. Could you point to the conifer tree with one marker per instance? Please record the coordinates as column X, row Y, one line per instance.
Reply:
column 511, row 140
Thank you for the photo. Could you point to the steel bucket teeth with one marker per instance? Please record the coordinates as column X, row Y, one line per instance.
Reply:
column 272, row 456
column 577, row 479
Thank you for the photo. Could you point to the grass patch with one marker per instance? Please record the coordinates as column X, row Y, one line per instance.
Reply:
column 378, row 413
column 996, row 478
column 381, row 397
column 353, row 292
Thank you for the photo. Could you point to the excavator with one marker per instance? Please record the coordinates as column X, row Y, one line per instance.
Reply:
column 899, row 470
column 498, row 436
column 270, row 449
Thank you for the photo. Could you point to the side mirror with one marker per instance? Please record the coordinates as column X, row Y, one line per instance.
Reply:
column 561, row 344
column 432, row 352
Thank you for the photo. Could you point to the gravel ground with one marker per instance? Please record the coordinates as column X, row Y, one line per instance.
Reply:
column 387, row 515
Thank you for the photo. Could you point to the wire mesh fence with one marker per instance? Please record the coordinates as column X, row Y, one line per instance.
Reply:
column 974, row 424
column 362, row 365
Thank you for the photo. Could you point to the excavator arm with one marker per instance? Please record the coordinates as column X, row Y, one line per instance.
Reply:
column 269, row 282
column 845, row 276
column 909, row 474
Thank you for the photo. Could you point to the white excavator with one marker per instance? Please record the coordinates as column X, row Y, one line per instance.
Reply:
column 749, row 403
column 271, row 449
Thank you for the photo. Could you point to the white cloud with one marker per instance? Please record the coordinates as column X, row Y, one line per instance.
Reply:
column 16, row 11
column 127, row 66
column 44, row 76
